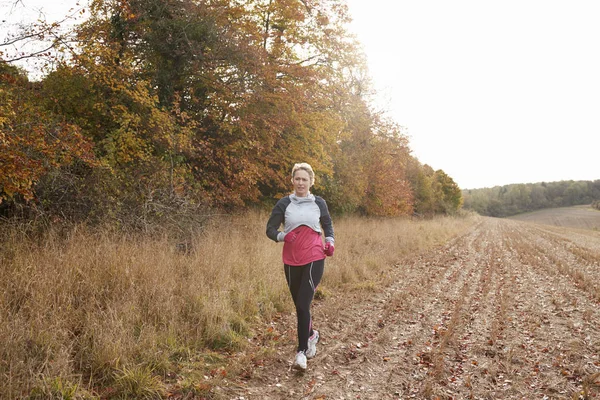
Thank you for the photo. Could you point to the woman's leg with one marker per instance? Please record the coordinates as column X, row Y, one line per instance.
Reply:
column 303, row 282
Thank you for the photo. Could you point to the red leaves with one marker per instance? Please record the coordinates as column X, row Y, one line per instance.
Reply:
column 216, row 110
column 34, row 141
column 220, row 372
column 425, row 358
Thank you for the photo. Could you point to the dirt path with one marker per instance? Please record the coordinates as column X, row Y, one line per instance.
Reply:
column 507, row 311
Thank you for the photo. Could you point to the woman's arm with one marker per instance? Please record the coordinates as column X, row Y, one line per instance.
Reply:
column 325, row 219
column 276, row 219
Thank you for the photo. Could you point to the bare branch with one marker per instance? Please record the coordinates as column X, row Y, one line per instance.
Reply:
column 307, row 59
column 47, row 29
column 30, row 55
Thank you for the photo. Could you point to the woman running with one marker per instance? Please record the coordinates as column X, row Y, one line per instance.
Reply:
column 304, row 217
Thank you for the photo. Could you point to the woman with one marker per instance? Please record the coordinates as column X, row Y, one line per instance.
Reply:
column 304, row 216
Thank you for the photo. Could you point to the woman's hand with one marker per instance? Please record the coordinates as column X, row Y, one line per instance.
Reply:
column 290, row 237
column 329, row 248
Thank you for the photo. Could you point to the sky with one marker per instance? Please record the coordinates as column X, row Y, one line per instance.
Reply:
column 17, row 13
column 491, row 92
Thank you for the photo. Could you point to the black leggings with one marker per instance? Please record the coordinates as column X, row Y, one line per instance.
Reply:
column 303, row 281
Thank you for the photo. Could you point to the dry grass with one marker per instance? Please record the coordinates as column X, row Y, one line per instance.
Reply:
column 92, row 314
column 365, row 248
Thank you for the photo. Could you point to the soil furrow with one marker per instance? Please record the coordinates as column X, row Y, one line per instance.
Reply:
column 498, row 313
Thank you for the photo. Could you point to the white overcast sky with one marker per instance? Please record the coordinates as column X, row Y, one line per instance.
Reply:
column 492, row 92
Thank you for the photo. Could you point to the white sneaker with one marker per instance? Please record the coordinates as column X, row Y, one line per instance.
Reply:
column 312, row 344
column 300, row 361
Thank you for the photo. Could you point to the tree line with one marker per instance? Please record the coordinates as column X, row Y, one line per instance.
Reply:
column 503, row 201
column 161, row 106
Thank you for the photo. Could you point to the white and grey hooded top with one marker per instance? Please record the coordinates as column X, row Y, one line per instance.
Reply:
column 294, row 211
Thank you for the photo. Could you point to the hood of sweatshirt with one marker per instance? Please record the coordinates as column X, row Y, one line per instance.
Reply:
column 307, row 199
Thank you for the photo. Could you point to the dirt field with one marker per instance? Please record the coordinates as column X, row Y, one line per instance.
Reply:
column 509, row 310
column 584, row 217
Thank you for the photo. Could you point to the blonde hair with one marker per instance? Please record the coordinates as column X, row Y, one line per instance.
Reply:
column 305, row 167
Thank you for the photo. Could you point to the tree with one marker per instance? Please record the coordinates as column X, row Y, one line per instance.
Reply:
column 508, row 200
column 37, row 43
column 421, row 178
column 33, row 140
column 212, row 101
column 449, row 196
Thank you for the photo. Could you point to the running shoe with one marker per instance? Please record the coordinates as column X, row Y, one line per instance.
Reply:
column 312, row 344
column 300, row 361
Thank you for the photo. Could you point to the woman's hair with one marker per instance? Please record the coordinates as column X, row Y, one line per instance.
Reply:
column 306, row 167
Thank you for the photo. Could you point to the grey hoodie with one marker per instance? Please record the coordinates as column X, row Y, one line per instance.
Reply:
column 294, row 211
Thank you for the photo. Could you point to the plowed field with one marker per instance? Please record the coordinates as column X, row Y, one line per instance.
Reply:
column 583, row 217
column 509, row 310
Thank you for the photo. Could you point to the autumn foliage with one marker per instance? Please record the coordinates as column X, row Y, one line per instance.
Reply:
column 34, row 141
column 161, row 104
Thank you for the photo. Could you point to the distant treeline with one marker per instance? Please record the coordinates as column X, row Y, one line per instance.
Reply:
column 503, row 201
column 165, row 107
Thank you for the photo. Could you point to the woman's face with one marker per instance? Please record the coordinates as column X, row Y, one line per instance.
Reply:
column 301, row 181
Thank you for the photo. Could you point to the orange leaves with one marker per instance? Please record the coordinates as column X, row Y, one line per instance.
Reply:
column 220, row 372
column 33, row 141
column 215, row 100
column 388, row 192
column 439, row 331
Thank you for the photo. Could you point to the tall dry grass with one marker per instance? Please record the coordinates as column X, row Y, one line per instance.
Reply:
column 95, row 313
column 367, row 247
